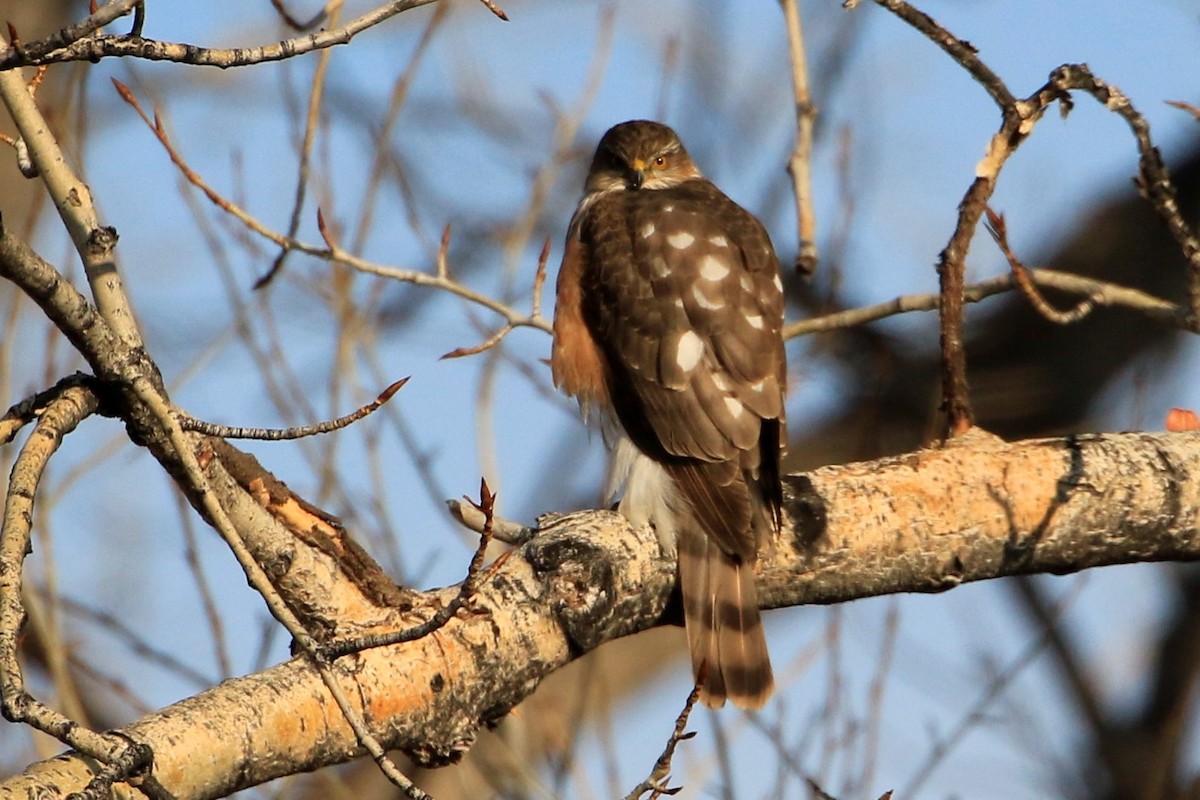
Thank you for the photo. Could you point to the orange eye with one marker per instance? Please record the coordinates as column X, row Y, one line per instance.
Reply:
column 661, row 161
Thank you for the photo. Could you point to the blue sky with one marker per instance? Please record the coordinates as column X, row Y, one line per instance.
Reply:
column 477, row 125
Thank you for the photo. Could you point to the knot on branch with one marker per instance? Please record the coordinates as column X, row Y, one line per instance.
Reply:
column 807, row 509
column 579, row 583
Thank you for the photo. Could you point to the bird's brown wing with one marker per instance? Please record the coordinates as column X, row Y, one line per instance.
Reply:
column 680, row 288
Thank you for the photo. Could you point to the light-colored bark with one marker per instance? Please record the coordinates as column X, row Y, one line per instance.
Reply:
column 926, row 521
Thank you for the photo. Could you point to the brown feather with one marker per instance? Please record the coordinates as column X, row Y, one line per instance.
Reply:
column 725, row 633
column 669, row 319
column 575, row 361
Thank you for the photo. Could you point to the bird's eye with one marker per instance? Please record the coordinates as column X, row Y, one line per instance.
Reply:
column 661, row 161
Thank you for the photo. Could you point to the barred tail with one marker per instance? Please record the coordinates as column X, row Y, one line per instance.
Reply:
column 724, row 629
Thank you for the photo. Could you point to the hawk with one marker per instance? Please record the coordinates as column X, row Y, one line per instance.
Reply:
column 667, row 326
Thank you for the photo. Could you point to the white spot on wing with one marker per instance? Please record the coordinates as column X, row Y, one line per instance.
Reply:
column 719, row 381
column 703, row 300
column 680, row 240
column 647, row 230
column 735, row 407
column 688, row 351
column 757, row 386
column 747, row 283
column 755, row 320
column 667, row 209
column 661, row 268
column 778, row 284
column 713, row 268
column 718, row 241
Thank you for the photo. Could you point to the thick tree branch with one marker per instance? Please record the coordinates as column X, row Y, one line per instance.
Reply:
column 924, row 522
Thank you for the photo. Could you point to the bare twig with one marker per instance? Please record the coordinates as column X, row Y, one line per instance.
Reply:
column 1190, row 108
column 486, row 506
column 21, row 414
column 294, row 23
column 503, row 530
column 956, row 401
column 656, row 782
column 1101, row 293
column 999, row 231
column 333, row 252
column 97, row 47
column 383, row 138
column 486, row 344
column 61, row 416
column 139, row 19
column 190, row 423
column 995, row 687
column 1154, row 180
column 963, row 52
column 495, row 9
column 539, row 279
column 195, row 478
column 800, row 163
column 72, row 33
column 311, row 122
column 1019, row 120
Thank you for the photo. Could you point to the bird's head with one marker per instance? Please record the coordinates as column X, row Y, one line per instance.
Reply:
column 639, row 155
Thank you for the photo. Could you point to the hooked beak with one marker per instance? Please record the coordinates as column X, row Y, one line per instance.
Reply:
column 637, row 175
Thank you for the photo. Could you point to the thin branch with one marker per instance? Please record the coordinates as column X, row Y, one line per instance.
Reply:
column 189, row 423
column 951, row 266
column 29, row 53
column 1154, row 180
column 194, row 479
column 294, row 23
column 963, row 52
column 60, row 417
column 1019, row 120
column 977, row 712
column 539, row 279
column 159, row 129
column 471, row 517
column 466, row 590
column 999, row 230
column 311, row 122
column 656, row 782
column 69, row 310
column 495, row 9
column 800, row 163
column 1102, row 293
column 441, row 280
column 332, row 252
column 1190, row 108
column 98, row 47
column 486, row 344
column 139, row 19
column 21, row 414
